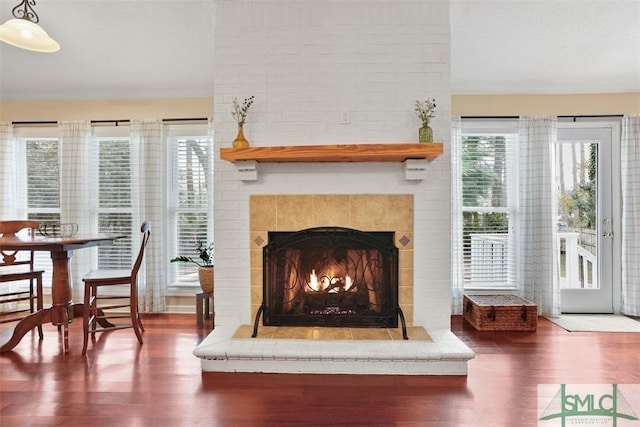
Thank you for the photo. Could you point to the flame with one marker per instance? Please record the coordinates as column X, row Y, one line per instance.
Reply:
column 348, row 283
column 327, row 282
column 313, row 281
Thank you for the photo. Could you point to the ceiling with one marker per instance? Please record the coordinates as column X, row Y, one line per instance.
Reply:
column 114, row 49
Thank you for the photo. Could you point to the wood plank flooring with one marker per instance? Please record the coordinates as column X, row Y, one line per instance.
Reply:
column 120, row 383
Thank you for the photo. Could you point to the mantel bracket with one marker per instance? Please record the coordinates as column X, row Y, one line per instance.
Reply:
column 415, row 169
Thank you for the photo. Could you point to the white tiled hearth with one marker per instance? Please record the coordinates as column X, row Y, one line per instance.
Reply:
column 444, row 355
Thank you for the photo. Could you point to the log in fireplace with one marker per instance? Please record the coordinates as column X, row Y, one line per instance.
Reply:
column 330, row 276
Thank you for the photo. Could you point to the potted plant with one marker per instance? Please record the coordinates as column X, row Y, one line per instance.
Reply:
column 204, row 261
column 425, row 110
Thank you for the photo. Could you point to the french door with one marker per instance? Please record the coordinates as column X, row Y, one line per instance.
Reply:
column 587, row 216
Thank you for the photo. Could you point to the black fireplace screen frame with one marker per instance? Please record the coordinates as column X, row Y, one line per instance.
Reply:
column 371, row 256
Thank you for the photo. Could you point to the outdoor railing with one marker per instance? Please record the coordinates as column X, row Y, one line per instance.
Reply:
column 489, row 263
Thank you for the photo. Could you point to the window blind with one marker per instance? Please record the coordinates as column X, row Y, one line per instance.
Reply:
column 115, row 201
column 488, row 210
column 43, row 189
column 191, row 203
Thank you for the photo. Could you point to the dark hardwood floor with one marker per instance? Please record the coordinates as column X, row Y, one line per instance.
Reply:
column 120, row 383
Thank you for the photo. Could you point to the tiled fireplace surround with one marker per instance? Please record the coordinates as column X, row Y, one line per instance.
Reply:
column 225, row 349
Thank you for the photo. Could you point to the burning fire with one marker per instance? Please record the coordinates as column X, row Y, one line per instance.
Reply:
column 329, row 283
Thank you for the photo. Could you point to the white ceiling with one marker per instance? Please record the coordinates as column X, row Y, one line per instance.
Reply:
column 164, row 48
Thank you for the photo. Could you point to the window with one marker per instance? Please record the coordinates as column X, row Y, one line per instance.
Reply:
column 114, row 206
column 43, row 179
column 488, row 182
column 113, row 203
column 38, row 170
column 190, row 201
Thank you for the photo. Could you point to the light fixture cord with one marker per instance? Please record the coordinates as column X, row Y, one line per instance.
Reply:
column 25, row 11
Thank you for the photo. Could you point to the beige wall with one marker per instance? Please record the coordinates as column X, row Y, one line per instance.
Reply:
column 534, row 105
column 461, row 105
column 123, row 109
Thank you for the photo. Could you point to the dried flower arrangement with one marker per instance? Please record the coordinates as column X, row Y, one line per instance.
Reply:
column 425, row 110
column 240, row 112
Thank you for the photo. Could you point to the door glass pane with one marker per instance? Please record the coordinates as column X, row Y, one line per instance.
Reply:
column 577, row 181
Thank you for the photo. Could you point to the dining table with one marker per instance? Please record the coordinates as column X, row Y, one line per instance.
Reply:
column 62, row 309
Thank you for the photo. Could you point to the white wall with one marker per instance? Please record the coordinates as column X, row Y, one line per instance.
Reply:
column 307, row 62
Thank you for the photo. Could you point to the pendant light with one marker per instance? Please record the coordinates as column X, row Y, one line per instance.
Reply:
column 24, row 32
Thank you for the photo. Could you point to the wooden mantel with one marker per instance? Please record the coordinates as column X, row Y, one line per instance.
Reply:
column 390, row 152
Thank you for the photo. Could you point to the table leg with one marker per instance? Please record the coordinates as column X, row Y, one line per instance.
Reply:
column 62, row 310
column 25, row 325
column 59, row 313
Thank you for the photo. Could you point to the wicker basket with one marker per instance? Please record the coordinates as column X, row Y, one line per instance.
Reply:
column 500, row 313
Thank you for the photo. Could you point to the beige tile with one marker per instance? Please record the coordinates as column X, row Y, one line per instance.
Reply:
column 407, row 310
column 266, row 332
column 404, row 239
column 258, row 239
column 284, row 332
column 405, row 278
column 405, row 295
column 415, row 333
column 405, row 258
column 255, row 306
column 294, row 212
column 256, row 276
column 263, row 212
column 368, row 212
column 331, row 333
column 256, row 295
column 400, row 212
column 370, row 334
column 256, row 258
column 331, row 210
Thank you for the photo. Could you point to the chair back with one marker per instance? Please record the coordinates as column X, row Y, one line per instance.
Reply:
column 9, row 229
column 145, row 229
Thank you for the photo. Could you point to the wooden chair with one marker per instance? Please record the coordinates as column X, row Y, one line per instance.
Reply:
column 18, row 266
column 103, row 308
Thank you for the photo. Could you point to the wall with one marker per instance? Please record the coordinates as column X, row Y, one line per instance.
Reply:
column 308, row 64
column 577, row 104
column 118, row 109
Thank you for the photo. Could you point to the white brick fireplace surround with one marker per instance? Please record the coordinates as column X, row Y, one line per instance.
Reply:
column 332, row 72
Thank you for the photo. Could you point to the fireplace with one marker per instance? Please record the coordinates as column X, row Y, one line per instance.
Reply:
column 330, row 276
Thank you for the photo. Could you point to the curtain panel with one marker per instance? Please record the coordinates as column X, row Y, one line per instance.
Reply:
column 457, row 261
column 75, row 190
column 8, row 208
column 149, row 198
column 538, row 206
column 630, row 176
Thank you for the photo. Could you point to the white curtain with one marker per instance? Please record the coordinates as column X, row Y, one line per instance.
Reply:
column 8, row 207
column 457, row 263
column 148, row 166
column 630, row 165
column 538, row 262
column 75, row 189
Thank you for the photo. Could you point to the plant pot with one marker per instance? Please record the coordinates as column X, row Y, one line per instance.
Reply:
column 425, row 134
column 205, row 275
column 240, row 141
